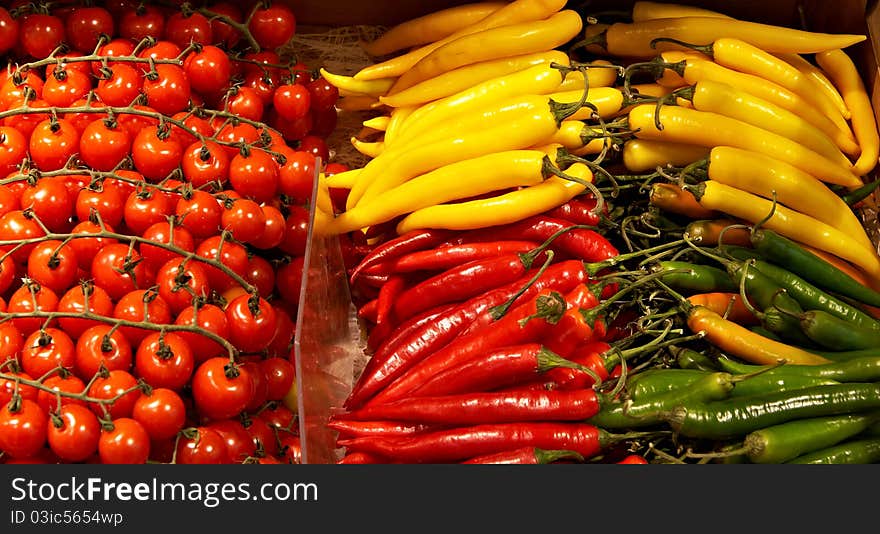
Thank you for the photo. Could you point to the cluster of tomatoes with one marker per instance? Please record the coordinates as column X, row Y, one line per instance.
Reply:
column 156, row 164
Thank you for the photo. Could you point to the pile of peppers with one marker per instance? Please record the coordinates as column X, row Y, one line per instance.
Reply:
column 657, row 259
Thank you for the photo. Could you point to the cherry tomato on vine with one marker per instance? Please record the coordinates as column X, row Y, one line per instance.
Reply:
column 261, row 387
column 261, row 274
column 142, row 305
column 51, row 203
column 316, row 146
column 104, row 144
column 297, row 176
column 179, row 281
column 126, row 443
column 144, row 21
column 296, row 230
column 164, row 360
column 263, row 435
column 73, row 301
column 229, row 253
column 85, row 25
column 118, row 269
column 118, row 386
column 209, row 319
column 87, row 247
column 29, row 298
column 244, row 219
column 208, row 70
column 52, row 144
column 9, row 31
column 45, row 350
column 23, row 428
column 121, row 86
column 48, row 398
column 251, row 323
column 324, row 94
column 206, row 446
column 239, row 445
column 155, row 154
column 146, row 208
column 40, row 34
column 273, row 26
column 200, row 213
column 167, row 89
column 163, row 232
column 288, row 279
column 244, row 102
column 101, row 345
column 182, row 30
column 204, row 163
column 254, row 175
column 103, row 203
column 73, row 433
column 26, row 122
column 53, row 264
column 8, row 385
column 161, row 412
column 280, row 375
column 220, row 390
column 63, row 87
column 292, row 101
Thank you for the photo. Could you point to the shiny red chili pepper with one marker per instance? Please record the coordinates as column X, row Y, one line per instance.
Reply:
column 486, row 407
column 580, row 243
column 525, row 456
column 463, row 282
column 385, row 318
column 348, row 428
column 493, row 370
column 447, row 257
column 400, row 334
column 592, row 356
column 408, row 242
column 579, row 210
column 462, row 443
column 369, row 311
column 524, row 323
column 436, row 334
column 573, row 328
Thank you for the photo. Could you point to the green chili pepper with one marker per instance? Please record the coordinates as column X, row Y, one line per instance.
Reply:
column 861, row 451
column 780, row 443
column 698, row 278
column 832, row 332
column 738, row 416
column 864, row 369
column 783, row 251
column 691, row 359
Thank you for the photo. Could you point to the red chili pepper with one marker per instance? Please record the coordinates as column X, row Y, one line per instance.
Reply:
column 525, row 323
column 373, row 280
column 493, row 370
column 408, row 242
column 400, row 333
column 579, row 210
column 462, row 282
column 486, row 407
column 525, row 456
column 348, row 428
column 461, row 443
column 592, row 356
column 369, row 311
column 446, row 326
column 385, row 318
column 573, row 328
column 580, row 243
column 447, row 257
column 362, row 458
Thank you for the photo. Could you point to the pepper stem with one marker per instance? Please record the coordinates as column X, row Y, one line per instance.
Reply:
column 703, row 49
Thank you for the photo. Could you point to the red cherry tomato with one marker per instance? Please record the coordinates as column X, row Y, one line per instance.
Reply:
column 51, row 203
column 207, row 318
column 118, row 269
column 207, row 446
column 200, row 214
column 205, row 162
column 167, row 89
column 208, row 70
column 297, row 177
column 85, row 25
column 74, row 435
column 163, row 232
column 180, row 281
column 274, row 26
column 164, row 360
column 239, row 445
column 121, row 87
column 45, row 350
column 251, row 323
column 53, row 143
column 273, row 232
column 23, row 428
column 296, row 231
column 127, row 443
column 100, row 346
column 103, row 146
column 244, row 219
column 254, row 175
column 9, row 31
column 141, row 305
column 52, row 264
column 48, row 398
column 183, row 30
column 119, row 385
column 144, row 21
column 161, row 412
column 155, row 154
column 74, row 300
column 63, row 87
column 221, row 391
column 28, row 298
column 292, row 101
column 41, row 34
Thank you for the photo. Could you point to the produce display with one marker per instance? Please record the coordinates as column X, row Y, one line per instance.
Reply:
column 157, row 161
column 610, row 238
